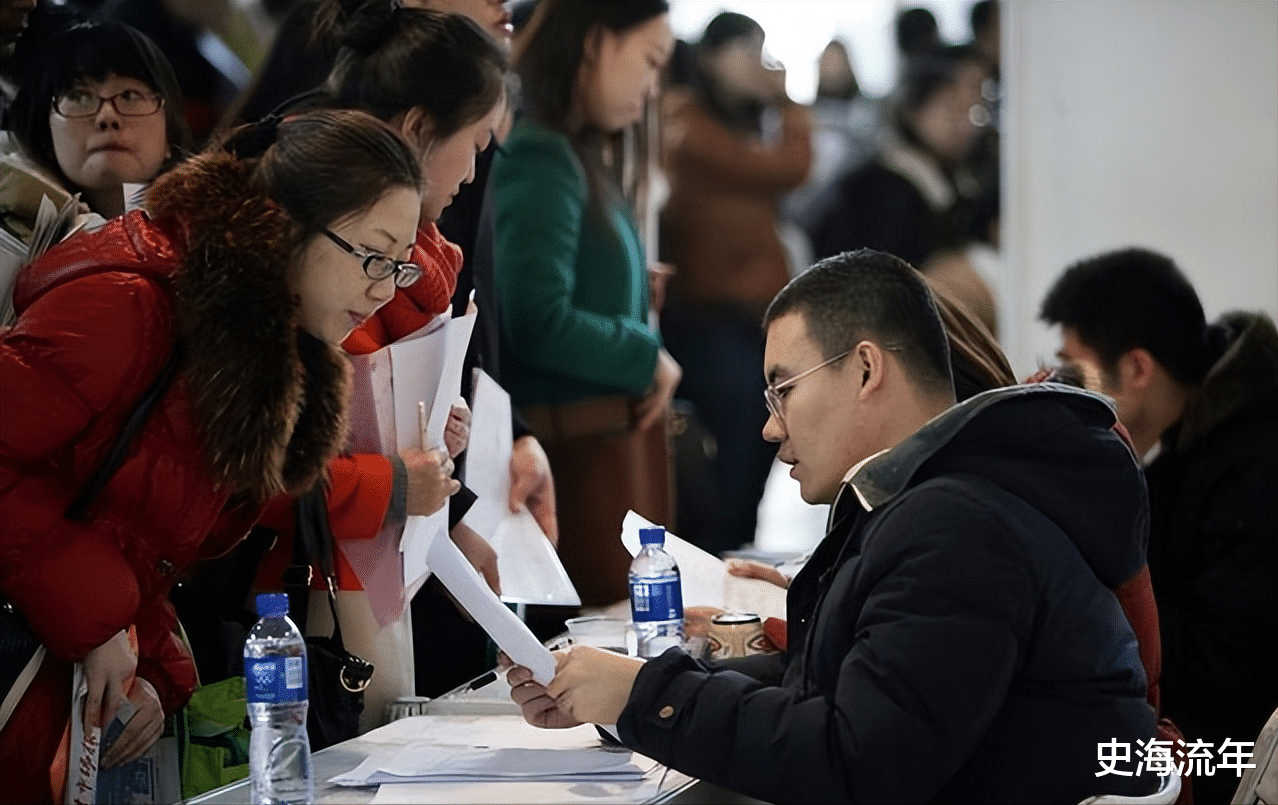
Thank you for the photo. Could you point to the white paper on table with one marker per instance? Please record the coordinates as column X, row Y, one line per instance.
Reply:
column 425, row 761
column 509, row 633
column 530, row 570
column 706, row 581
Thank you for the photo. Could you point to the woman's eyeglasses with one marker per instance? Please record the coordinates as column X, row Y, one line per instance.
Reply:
column 84, row 103
column 377, row 265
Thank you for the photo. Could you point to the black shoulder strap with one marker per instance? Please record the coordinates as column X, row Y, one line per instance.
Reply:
column 313, row 538
column 78, row 509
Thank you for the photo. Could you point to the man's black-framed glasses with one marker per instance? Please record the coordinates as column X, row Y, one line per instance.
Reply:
column 82, row 102
column 377, row 265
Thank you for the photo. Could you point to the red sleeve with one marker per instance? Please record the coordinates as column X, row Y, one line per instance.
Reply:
column 413, row 307
column 359, row 493
column 78, row 353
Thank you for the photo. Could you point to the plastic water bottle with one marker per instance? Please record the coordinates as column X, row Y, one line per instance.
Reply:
column 656, row 595
column 275, row 681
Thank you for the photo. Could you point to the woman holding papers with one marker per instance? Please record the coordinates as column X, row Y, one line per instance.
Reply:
column 439, row 81
column 226, row 303
column 581, row 361
column 98, row 108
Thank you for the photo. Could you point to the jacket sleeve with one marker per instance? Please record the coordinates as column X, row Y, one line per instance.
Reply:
column 542, row 204
column 77, row 354
column 699, row 143
column 936, row 648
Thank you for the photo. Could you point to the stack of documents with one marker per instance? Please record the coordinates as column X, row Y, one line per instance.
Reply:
column 430, row 762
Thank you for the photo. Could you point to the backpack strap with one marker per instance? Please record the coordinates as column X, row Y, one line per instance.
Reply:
column 78, row 509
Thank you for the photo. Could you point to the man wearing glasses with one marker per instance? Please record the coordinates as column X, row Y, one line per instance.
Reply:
column 953, row 637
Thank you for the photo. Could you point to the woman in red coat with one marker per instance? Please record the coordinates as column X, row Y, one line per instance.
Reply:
column 238, row 270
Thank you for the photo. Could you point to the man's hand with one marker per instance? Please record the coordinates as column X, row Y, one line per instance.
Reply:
column 593, row 684
column 751, row 569
column 479, row 553
column 531, row 485
column 539, row 707
column 143, row 730
column 457, row 429
column 107, row 671
column 430, row 481
column 665, row 379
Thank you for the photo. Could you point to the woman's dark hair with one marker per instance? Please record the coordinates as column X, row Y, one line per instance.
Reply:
column 92, row 49
column 725, row 29
column 394, row 59
column 326, row 165
column 923, row 77
column 551, row 59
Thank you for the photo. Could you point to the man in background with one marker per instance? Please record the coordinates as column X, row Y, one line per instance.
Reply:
column 1201, row 404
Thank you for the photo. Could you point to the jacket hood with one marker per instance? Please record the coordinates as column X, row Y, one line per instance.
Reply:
column 1245, row 378
column 1053, row 446
column 268, row 399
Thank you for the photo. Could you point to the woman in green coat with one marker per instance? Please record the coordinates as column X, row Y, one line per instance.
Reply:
column 585, row 367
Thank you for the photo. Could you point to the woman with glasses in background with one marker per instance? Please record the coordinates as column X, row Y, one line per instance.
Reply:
column 98, row 109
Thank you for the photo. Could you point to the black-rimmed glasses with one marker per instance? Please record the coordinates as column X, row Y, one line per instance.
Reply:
column 85, row 103
column 378, row 266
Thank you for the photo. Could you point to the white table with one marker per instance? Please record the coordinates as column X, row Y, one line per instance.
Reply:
column 487, row 711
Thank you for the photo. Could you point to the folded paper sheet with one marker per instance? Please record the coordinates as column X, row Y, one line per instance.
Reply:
column 531, row 572
column 387, row 387
column 706, row 582
column 509, row 633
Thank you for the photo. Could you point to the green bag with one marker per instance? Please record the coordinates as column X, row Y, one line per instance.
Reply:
column 214, row 745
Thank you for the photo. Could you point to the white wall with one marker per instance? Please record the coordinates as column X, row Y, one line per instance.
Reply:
column 1139, row 122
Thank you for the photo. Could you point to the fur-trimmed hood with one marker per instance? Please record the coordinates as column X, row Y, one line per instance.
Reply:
column 1245, row 377
column 268, row 400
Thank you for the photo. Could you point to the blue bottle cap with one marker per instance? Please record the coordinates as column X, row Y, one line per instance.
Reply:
column 655, row 535
column 272, row 604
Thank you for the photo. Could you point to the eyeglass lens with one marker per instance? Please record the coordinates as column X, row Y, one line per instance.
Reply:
column 84, row 103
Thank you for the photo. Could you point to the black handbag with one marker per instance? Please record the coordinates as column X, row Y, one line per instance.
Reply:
column 337, row 678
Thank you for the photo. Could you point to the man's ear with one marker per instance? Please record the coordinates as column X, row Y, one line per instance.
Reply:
column 1136, row 369
column 868, row 366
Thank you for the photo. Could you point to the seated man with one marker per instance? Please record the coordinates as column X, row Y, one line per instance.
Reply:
column 953, row 637
column 1201, row 404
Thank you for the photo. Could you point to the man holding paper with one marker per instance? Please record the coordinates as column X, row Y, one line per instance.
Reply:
column 954, row 636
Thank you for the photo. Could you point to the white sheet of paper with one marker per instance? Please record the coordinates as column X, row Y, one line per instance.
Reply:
column 426, row 367
column 706, row 581
column 456, row 337
column 420, row 533
column 488, row 456
column 473, row 593
column 425, row 761
column 702, row 573
column 531, row 572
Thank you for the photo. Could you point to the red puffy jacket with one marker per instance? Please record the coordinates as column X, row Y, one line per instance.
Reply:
column 98, row 317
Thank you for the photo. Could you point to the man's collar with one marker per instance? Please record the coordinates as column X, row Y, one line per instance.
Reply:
column 878, row 478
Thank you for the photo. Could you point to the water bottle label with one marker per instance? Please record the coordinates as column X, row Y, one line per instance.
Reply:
column 275, row 680
column 656, row 600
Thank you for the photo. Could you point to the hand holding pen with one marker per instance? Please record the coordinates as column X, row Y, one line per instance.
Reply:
column 430, row 481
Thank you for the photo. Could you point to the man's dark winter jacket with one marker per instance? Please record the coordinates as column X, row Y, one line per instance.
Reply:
column 1213, row 551
column 953, row 638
